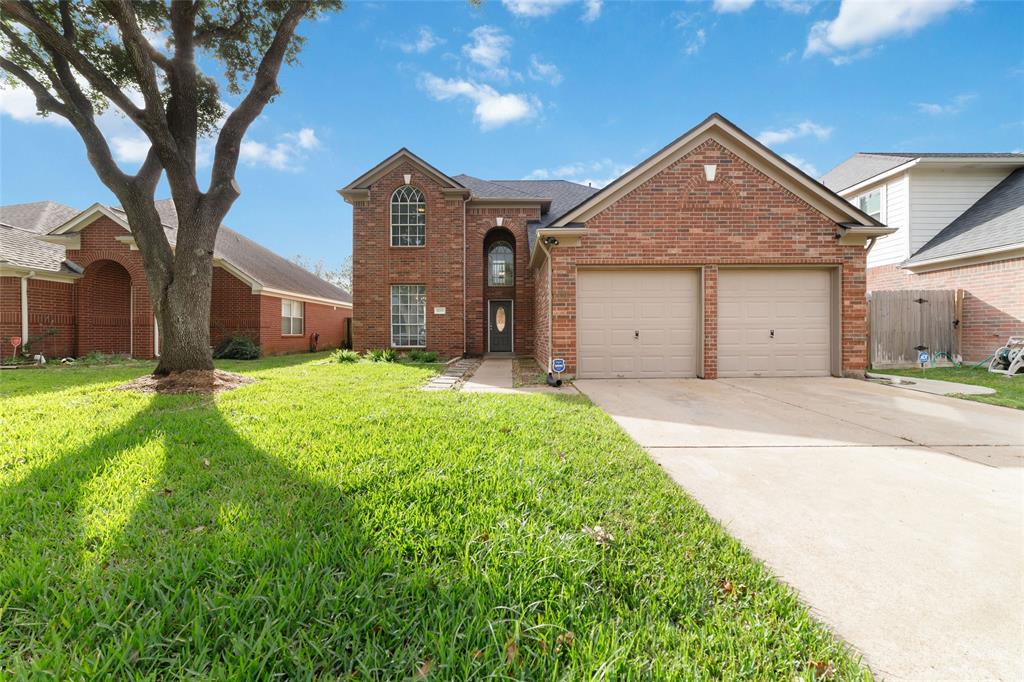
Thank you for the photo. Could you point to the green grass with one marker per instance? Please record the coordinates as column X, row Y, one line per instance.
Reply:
column 1009, row 390
column 331, row 521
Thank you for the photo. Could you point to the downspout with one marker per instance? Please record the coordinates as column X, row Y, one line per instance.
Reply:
column 465, row 324
column 24, row 306
column 551, row 296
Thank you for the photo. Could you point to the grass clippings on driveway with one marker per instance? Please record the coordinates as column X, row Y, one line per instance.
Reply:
column 1009, row 390
column 327, row 521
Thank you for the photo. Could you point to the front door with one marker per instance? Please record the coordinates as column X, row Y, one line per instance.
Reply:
column 500, row 327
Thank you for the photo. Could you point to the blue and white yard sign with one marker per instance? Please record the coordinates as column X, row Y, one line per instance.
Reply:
column 922, row 357
column 558, row 365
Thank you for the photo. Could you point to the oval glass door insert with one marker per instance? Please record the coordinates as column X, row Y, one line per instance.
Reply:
column 499, row 319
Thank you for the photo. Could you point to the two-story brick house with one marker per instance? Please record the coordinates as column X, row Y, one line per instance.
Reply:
column 714, row 257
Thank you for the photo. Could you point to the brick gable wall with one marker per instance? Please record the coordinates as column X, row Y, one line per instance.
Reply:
column 438, row 265
column 743, row 218
column 993, row 307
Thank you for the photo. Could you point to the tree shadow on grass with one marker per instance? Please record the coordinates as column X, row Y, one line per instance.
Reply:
column 170, row 546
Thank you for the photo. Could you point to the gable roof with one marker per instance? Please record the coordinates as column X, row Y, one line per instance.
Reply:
column 994, row 222
column 352, row 190
column 38, row 217
column 866, row 165
column 22, row 245
column 736, row 140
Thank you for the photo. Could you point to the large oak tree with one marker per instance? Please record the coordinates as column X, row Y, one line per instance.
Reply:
column 79, row 59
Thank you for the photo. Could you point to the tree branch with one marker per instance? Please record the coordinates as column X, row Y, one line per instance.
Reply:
column 52, row 40
column 264, row 87
column 45, row 101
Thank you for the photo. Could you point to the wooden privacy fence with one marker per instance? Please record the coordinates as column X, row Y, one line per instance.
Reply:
column 903, row 323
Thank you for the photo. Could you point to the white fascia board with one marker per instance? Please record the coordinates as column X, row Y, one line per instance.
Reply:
column 279, row 293
column 11, row 270
column 87, row 216
column 970, row 258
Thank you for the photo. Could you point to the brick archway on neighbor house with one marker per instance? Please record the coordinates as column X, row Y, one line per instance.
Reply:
column 113, row 310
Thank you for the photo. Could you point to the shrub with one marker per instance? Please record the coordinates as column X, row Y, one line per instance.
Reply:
column 422, row 356
column 381, row 355
column 237, row 347
column 345, row 355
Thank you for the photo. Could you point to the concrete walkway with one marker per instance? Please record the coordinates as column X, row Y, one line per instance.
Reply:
column 933, row 386
column 495, row 376
column 897, row 515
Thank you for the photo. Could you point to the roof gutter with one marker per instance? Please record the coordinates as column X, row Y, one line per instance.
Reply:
column 1007, row 251
column 554, row 233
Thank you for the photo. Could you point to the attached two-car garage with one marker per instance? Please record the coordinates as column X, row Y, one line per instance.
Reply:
column 647, row 323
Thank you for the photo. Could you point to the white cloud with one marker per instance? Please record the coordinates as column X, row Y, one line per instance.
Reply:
column 534, row 8
column 697, row 42
column 493, row 109
column 425, row 41
column 490, row 49
column 862, row 23
column 802, row 164
column 792, row 6
column 18, row 102
column 286, row 154
column 594, row 173
column 953, row 107
column 802, row 129
column 541, row 71
column 729, row 6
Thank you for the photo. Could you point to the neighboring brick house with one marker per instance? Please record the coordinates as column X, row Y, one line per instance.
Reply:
column 714, row 257
column 959, row 222
column 72, row 282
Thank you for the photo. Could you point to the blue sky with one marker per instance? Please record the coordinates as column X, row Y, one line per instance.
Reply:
column 580, row 90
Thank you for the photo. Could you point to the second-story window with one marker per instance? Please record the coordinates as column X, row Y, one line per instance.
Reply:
column 871, row 203
column 408, row 217
column 500, row 271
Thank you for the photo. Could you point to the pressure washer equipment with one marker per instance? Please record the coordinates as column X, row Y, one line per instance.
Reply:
column 1009, row 359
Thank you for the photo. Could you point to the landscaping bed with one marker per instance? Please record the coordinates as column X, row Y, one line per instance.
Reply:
column 328, row 521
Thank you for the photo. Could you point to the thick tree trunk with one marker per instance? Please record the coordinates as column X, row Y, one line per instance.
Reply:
column 184, row 317
column 179, row 280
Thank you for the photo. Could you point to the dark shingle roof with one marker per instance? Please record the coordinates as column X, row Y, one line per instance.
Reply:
column 562, row 194
column 260, row 263
column 996, row 219
column 864, row 165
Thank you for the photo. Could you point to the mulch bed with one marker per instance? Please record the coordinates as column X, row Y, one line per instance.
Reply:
column 190, row 381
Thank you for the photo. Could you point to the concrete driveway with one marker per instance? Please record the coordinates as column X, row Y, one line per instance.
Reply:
column 898, row 516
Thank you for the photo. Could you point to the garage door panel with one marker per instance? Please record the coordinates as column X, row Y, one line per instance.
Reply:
column 793, row 303
column 662, row 305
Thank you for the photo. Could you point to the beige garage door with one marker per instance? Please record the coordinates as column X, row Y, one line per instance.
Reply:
column 637, row 323
column 774, row 323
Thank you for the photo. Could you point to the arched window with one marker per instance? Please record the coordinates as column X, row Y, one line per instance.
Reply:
column 500, row 268
column 408, row 217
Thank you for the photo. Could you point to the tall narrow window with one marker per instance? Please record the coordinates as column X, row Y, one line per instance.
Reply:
column 408, row 217
column 408, row 315
column 291, row 317
column 500, row 267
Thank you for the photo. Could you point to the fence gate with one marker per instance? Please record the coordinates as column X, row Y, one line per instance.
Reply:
column 903, row 323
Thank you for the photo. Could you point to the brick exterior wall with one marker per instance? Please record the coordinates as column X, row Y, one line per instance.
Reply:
column 676, row 218
column 108, row 309
column 481, row 232
column 993, row 307
column 52, row 308
column 541, row 301
column 438, row 265
column 328, row 320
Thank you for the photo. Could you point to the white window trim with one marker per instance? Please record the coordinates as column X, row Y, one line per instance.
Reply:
column 302, row 309
column 882, row 197
column 391, row 227
column 391, row 316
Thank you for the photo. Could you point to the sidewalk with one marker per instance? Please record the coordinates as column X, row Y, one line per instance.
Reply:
column 495, row 376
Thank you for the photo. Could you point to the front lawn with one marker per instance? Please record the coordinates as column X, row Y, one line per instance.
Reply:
column 1009, row 390
column 331, row 521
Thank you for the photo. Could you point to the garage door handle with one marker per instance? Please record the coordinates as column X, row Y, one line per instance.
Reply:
column 771, row 333
column 636, row 334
